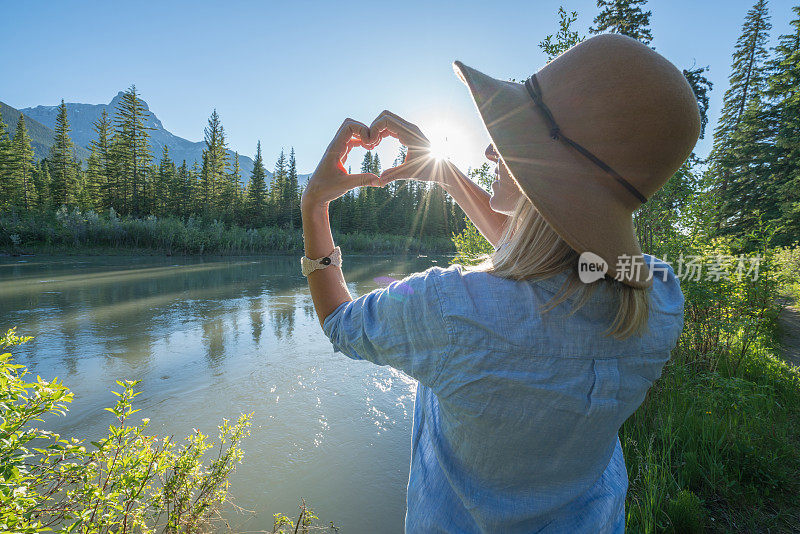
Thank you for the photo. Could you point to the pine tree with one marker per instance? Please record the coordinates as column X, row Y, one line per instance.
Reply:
column 366, row 163
column 183, row 197
column 131, row 153
column 624, row 17
column 293, row 195
column 235, row 189
column 746, row 82
column 375, row 165
column 6, row 168
column 700, row 86
column 401, row 156
column 783, row 90
column 195, row 188
column 215, row 165
column 751, row 182
column 166, row 190
column 23, row 166
column 277, row 194
column 381, row 200
column 106, row 189
column 363, row 205
column 42, row 182
column 63, row 167
column 82, row 191
column 256, row 203
column 95, row 183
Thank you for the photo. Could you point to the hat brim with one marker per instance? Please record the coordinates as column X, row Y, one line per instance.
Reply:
column 586, row 208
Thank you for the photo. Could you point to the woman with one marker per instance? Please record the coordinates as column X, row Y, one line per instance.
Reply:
column 526, row 369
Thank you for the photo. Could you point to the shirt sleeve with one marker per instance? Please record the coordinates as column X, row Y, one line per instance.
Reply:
column 401, row 325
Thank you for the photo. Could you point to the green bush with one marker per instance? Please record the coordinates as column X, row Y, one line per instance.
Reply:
column 128, row 481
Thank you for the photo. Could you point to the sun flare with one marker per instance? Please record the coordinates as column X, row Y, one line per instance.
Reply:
column 452, row 139
column 441, row 133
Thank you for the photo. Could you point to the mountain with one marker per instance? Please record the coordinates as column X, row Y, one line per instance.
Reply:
column 81, row 121
column 41, row 135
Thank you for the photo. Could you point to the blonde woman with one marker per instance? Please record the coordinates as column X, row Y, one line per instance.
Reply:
column 528, row 364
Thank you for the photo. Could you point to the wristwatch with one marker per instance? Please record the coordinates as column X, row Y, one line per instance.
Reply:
column 308, row 265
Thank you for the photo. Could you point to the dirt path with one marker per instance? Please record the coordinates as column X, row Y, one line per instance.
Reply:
column 789, row 320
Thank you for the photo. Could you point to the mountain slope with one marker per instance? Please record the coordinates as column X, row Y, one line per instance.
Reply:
column 81, row 121
column 41, row 135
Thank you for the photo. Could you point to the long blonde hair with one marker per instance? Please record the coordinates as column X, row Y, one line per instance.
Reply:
column 530, row 249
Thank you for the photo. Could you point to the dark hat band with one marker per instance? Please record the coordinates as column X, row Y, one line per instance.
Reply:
column 532, row 85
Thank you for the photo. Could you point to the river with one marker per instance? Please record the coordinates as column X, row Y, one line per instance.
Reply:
column 210, row 339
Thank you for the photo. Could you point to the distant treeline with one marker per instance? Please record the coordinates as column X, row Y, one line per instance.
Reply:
column 122, row 174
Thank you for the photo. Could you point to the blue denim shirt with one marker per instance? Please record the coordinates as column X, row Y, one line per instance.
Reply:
column 517, row 413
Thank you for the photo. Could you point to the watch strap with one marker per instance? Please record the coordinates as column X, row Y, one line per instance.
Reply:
column 309, row 265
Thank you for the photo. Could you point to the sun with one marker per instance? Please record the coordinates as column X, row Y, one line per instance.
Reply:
column 451, row 139
column 439, row 133
column 439, row 151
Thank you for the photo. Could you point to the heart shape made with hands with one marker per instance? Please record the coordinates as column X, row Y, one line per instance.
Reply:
column 419, row 162
column 355, row 153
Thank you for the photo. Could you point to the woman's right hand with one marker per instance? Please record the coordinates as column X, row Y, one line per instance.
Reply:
column 419, row 163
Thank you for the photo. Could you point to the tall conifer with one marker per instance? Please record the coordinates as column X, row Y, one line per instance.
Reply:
column 256, row 202
column 293, row 196
column 278, row 191
column 783, row 90
column 101, row 145
column 165, row 186
column 131, row 152
column 746, row 83
column 183, row 200
column 63, row 167
column 94, row 180
column 6, row 168
column 215, row 164
column 23, row 166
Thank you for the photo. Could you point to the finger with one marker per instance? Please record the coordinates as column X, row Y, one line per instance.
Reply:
column 400, row 120
column 342, row 153
column 394, row 173
column 366, row 179
column 350, row 129
column 387, row 123
column 350, row 144
column 419, row 169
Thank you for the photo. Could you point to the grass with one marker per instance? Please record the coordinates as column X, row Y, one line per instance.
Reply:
column 717, row 450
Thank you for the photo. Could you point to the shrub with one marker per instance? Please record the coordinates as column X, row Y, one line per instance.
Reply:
column 128, row 481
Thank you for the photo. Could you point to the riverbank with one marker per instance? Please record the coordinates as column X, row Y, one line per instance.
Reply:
column 35, row 251
column 66, row 232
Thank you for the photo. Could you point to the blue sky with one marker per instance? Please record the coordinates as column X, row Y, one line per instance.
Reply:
column 289, row 73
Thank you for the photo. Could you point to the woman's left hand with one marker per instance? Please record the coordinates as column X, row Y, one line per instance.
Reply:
column 330, row 179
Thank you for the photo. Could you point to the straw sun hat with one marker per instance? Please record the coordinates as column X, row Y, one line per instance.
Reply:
column 589, row 138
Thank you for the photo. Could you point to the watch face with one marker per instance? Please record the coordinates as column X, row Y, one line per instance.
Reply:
column 325, row 261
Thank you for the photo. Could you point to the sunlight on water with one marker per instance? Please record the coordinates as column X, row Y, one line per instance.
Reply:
column 214, row 338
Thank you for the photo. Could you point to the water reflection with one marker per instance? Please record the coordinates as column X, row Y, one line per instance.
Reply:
column 211, row 339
